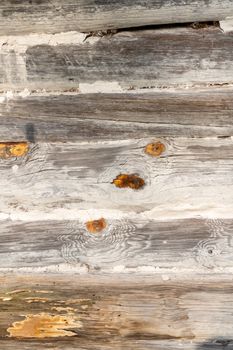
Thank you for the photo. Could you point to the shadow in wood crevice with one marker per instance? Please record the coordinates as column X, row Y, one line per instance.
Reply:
column 194, row 25
column 216, row 344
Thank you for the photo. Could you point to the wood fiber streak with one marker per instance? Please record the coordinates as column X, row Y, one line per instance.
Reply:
column 90, row 15
column 145, row 314
column 195, row 113
column 181, row 56
column 123, row 245
column 191, row 176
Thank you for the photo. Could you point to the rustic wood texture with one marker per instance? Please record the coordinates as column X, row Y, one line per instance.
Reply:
column 122, row 313
column 89, row 117
column 125, row 245
column 116, row 344
column 193, row 176
column 130, row 60
column 116, row 179
column 91, row 15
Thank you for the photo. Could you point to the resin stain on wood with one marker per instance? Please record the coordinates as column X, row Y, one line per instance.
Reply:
column 44, row 326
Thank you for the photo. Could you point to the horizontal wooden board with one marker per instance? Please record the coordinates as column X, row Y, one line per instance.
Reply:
column 191, row 177
column 128, row 60
column 119, row 116
column 67, row 15
column 116, row 344
column 146, row 314
column 125, row 245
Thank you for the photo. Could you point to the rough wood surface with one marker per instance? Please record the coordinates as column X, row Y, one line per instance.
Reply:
column 89, row 15
column 128, row 60
column 122, row 313
column 116, row 344
column 135, row 246
column 193, row 176
column 116, row 179
column 117, row 116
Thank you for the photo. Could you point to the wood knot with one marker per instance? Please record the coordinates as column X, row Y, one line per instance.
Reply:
column 129, row 181
column 96, row 226
column 13, row 149
column 155, row 149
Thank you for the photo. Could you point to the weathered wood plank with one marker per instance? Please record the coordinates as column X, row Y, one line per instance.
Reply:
column 84, row 117
column 190, row 177
column 128, row 60
column 125, row 245
column 56, row 15
column 145, row 314
column 116, row 344
column 85, row 344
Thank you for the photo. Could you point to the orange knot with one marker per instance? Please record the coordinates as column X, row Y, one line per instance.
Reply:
column 13, row 149
column 96, row 226
column 129, row 181
column 155, row 149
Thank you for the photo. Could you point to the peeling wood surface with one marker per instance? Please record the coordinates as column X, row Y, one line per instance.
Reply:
column 135, row 246
column 117, row 116
column 145, row 314
column 193, row 176
column 89, row 15
column 166, row 57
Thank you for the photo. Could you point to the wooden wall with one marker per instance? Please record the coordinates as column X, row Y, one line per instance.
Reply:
column 116, row 164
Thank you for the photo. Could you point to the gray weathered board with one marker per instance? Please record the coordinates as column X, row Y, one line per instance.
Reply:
column 125, row 246
column 90, row 15
column 117, row 116
column 128, row 60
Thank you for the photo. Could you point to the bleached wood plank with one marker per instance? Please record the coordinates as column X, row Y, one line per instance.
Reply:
column 193, row 176
column 57, row 16
column 123, row 246
column 167, row 57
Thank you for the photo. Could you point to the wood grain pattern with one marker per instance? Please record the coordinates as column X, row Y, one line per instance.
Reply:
column 146, row 314
column 143, row 246
column 116, row 179
column 116, row 344
column 182, row 56
column 192, row 177
column 87, row 117
column 89, row 15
